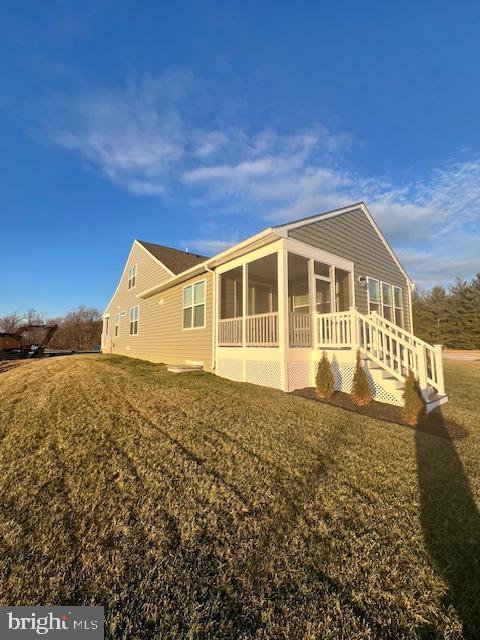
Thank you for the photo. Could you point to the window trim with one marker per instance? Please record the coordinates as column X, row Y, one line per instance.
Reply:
column 137, row 320
column 134, row 277
column 193, row 305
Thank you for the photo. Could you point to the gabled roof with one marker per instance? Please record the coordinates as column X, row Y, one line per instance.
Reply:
column 283, row 229
column 174, row 259
column 260, row 239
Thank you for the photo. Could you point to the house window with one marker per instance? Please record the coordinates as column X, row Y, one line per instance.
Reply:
column 387, row 301
column 194, row 306
column 107, row 319
column 134, row 321
column 398, row 305
column 373, row 289
column 132, row 276
column 117, row 324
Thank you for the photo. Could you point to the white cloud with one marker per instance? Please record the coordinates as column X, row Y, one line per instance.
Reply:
column 151, row 139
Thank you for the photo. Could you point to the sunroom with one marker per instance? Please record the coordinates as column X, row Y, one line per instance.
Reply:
column 281, row 297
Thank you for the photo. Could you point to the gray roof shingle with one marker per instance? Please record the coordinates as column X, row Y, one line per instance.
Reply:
column 174, row 259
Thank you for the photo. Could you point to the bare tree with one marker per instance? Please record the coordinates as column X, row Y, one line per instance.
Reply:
column 10, row 322
column 32, row 316
column 79, row 330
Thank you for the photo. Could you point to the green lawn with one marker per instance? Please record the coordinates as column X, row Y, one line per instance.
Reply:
column 194, row 507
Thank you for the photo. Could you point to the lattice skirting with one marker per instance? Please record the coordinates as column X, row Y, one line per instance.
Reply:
column 261, row 372
column 343, row 373
column 299, row 375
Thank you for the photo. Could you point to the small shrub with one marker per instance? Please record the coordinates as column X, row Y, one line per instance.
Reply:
column 361, row 394
column 414, row 409
column 324, row 379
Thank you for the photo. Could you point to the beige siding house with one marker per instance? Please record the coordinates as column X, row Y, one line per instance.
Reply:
column 266, row 309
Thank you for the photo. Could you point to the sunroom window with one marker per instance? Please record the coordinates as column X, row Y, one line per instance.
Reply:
column 194, row 306
column 231, row 294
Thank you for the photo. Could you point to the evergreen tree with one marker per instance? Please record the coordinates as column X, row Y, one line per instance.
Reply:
column 452, row 317
column 464, row 317
column 324, row 378
column 361, row 394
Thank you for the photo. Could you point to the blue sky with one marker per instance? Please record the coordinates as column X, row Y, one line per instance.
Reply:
column 199, row 124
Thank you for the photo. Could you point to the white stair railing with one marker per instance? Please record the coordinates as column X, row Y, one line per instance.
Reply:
column 394, row 349
column 431, row 354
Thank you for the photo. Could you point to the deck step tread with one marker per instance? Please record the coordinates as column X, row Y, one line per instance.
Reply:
column 184, row 368
column 435, row 397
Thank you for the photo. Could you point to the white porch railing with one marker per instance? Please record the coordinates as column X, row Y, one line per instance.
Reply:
column 396, row 350
column 393, row 348
column 230, row 332
column 299, row 329
column 262, row 330
column 334, row 329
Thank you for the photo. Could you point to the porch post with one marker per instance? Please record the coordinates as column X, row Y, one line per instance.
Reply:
column 244, row 304
column 422, row 370
column 283, row 319
column 311, row 299
column 354, row 328
column 439, row 368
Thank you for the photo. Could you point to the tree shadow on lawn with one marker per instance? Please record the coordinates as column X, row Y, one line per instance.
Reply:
column 450, row 522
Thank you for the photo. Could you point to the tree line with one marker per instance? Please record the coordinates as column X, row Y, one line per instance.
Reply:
column 449, row 316
column 78, row 330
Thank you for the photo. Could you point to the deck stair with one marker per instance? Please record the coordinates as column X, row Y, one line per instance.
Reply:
column 388, row 351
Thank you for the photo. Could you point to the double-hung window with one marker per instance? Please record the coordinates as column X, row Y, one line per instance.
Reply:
column 387, row 301
column 373, row 295
column 398, row 305
column 132, row 276
column 194, row 306
column 117, row 324
column 134, row 321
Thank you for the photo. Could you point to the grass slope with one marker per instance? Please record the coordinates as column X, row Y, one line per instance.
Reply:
column 194, row 507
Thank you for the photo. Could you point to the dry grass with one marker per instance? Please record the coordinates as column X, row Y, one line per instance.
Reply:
column 194, row 507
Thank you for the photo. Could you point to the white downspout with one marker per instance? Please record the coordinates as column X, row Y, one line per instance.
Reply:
column 214, row 319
